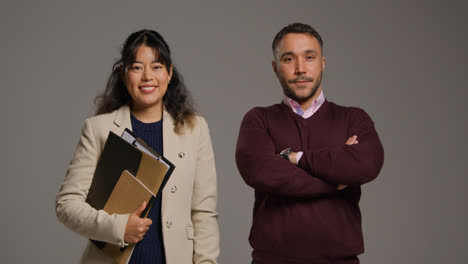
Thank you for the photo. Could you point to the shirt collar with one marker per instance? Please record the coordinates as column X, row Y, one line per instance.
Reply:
column 316, row 104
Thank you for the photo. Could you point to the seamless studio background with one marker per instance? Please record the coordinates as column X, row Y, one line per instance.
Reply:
column 404, row 62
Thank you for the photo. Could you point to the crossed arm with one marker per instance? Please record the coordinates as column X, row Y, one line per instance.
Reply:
column 319, row 172
column 353, row 163
column 294, row 160
column 265, row 171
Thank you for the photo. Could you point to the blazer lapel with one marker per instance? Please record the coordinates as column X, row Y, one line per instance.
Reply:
column 170, row 142
column 122, row 120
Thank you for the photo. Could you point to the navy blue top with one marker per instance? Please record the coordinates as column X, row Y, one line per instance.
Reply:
column 151, row 248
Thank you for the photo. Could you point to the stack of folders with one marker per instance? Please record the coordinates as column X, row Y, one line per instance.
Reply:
column 128, row 173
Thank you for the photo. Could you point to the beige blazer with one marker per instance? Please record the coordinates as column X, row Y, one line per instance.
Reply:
column 188, row 212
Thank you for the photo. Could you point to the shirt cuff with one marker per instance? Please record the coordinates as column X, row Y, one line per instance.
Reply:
column 298, row 156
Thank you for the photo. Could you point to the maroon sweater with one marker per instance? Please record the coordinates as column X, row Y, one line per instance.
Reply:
column 299, row 215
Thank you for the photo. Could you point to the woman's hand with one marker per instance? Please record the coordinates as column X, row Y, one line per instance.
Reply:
column 136, row 226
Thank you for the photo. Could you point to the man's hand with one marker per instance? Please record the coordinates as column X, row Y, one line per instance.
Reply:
column 136, row 226
column 351, row 141
column 292, row 157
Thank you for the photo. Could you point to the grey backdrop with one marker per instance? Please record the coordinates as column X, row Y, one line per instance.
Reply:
column 404, row 62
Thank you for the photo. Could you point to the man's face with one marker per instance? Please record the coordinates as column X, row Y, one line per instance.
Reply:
column 299, row 66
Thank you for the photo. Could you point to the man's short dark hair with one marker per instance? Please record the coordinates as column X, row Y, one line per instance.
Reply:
column 296, row 28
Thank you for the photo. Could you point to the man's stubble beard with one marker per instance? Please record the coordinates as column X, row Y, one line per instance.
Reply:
column 291, row 94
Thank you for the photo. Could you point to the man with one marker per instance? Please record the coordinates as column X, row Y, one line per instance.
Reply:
column 306, row 158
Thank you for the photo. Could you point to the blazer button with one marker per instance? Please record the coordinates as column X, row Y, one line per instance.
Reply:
column 168, row 223
column 181, row 154
column 174, row 189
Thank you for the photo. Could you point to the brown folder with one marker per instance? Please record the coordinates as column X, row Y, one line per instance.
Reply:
column 151, row 174
column 127, row 196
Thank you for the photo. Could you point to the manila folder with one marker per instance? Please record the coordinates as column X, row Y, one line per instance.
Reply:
column 127, row 196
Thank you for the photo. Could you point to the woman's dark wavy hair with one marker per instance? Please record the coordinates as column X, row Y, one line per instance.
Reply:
column 177, row 99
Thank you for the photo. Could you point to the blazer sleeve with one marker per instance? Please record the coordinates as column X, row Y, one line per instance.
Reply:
column 70, row 205
column 204, row 201
column 348, row 164
column 265, row 171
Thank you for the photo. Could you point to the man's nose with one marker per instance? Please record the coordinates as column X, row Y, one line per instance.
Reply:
column 300, row 67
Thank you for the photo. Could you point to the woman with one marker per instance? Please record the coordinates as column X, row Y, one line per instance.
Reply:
column 146, row 94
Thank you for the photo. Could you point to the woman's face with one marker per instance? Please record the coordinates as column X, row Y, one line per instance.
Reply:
column 146, row 79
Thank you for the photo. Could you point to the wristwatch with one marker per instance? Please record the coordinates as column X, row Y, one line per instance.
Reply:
column 285, row 153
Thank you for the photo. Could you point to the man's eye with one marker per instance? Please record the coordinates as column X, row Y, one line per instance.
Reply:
column 288, row 59
column 310, row 57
